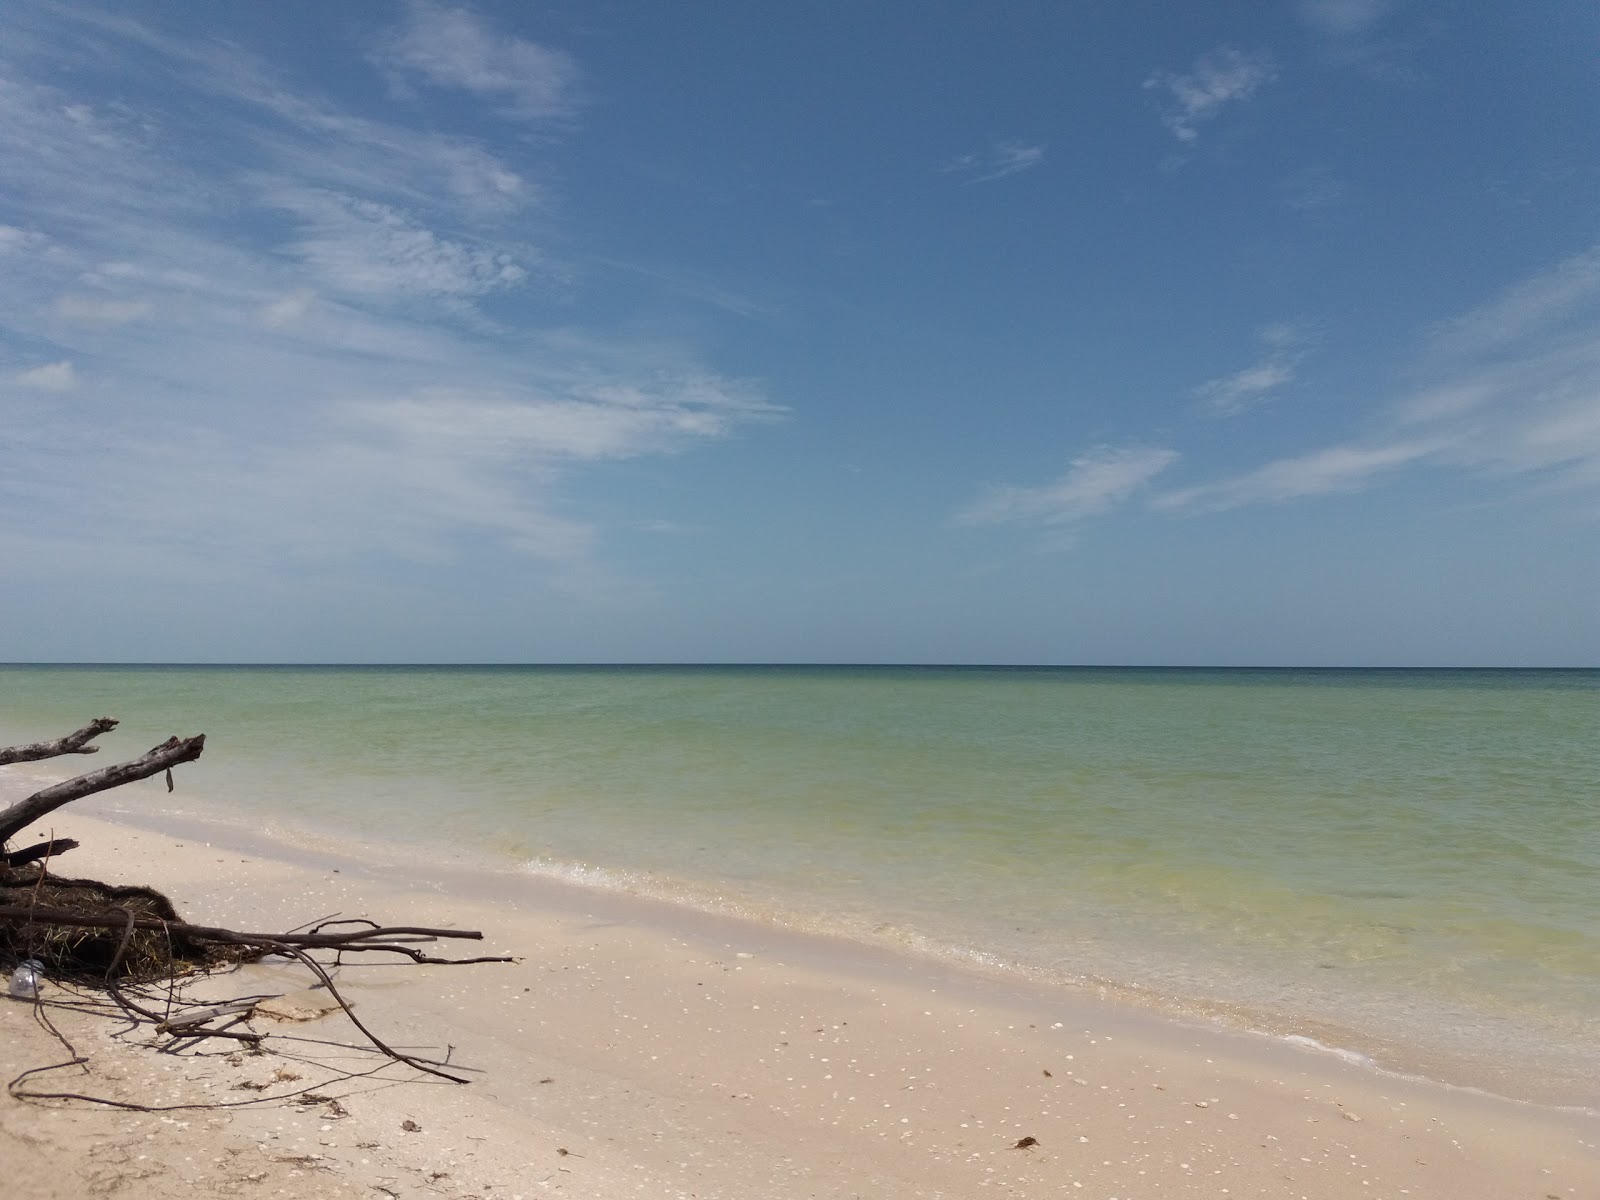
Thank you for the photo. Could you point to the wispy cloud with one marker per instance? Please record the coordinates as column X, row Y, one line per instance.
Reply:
column 1284, row 345
column 1219, row 78
column 1316, row 192
column 261, row 293
column 1517, row 380
column 1095, row 482
column 1508, row 391
column 1352, row 35
column 453, row 48
column 1344, row 18
column 51, row 377
column 1559, row 301
column 366, row 248
column 1320, row 473
column 14, row 240
column 1000, row 160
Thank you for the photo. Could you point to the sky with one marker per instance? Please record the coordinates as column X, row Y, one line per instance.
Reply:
column 1096, row 331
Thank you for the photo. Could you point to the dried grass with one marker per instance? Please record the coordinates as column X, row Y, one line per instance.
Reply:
column 88, row 955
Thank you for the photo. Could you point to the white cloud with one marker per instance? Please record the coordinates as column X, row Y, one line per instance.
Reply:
column 1320, row 473
column 1218, row 78
column 1565, row 297
column 1344, row 18
column 1509, row 390
column 298, row 401
column 1002, row 159
column 597, row 419
column 1517, row 380
column 51, row 377
column 17, row 241
column 451, row 47
column 367, row 248
column 288, row 310
column 1284, row 345
column 1316, row 192
column 1234, row 393
column 343, row 152
column 1094, row 483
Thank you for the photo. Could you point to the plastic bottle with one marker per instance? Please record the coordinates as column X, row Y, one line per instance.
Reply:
column 25, row 979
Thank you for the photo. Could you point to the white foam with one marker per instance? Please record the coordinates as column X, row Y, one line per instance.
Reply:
column 582, row 874
column 1349, row 1056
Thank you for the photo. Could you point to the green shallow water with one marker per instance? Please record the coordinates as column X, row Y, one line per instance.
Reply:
column 1403, row 861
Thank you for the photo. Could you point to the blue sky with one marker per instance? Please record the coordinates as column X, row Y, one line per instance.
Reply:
column 880, row 331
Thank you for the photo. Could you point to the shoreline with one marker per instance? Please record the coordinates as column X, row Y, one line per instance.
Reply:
column 629, row 901
column 513, row 882
column 1220, row 853
column 692, row 1053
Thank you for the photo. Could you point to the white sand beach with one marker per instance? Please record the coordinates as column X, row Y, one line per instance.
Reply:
column 639, row 1050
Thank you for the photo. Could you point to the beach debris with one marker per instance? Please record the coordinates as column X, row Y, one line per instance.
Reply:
column 312, row 1099
column 306, row 1005
column 25, row 979
column 119, row 940
column 26, row 811
column 1027, row 1143
column 410, row 1126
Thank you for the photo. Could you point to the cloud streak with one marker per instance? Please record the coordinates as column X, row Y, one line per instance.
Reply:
column 51, row 377
column 1284, row 347
column 1094, row 483
column 1509, row 390
column 365, row 248
column 295, row 334
column 1219, row 79
column 1320, row 473
column 1344, row 18
column 452, row 48
column 1002, row 159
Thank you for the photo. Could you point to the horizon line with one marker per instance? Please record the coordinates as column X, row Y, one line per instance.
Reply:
column 753, row 664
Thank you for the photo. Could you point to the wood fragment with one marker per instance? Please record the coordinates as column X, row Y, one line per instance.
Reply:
column 45, row 849
column 73, row 743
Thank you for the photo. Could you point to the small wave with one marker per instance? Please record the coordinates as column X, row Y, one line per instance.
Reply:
column 582, row 874
column 1349, row 1056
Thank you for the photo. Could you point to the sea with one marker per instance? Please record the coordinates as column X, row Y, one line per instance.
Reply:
column 1398, row 866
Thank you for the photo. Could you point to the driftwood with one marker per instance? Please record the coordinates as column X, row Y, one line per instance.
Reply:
column 73, row 743
column 118, row 937
column 47, row 849
column 161, row 758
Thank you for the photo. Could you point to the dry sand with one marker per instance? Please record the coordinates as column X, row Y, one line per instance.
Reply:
column 637, row 1050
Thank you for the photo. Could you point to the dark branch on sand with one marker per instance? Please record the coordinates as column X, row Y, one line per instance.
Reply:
column 38, row 850
column 375, row 938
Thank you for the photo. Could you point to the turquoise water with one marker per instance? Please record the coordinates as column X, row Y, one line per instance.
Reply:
column 1401, row 862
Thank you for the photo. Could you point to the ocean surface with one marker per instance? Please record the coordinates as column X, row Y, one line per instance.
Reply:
column 1400, row 863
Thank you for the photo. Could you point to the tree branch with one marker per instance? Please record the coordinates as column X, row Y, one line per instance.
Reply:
column 73, row 743
column 163, row 757
column 376, row 937
column 37, row 851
